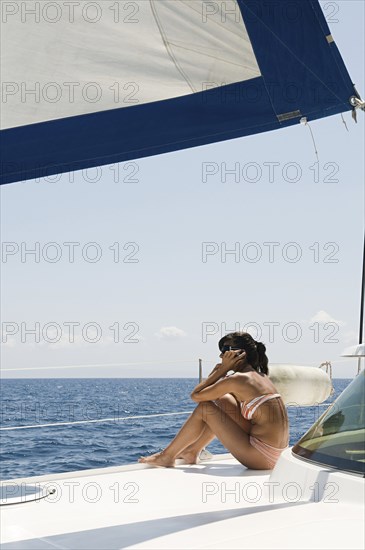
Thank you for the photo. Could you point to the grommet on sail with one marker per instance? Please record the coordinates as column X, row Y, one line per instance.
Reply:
column 93, row 84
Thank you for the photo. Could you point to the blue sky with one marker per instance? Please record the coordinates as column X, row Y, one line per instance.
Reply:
column 169, row 305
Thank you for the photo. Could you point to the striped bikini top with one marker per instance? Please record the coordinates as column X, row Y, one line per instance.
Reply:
column 248, row 409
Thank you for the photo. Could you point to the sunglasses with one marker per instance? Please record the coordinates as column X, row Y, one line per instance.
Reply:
column 229, row 348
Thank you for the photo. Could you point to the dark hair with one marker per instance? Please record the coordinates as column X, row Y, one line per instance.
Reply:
column 255, row 351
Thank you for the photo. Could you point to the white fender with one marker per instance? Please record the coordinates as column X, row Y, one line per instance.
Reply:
column 299, row 385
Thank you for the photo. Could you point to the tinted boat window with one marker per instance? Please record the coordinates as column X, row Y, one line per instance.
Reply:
column 337, row 439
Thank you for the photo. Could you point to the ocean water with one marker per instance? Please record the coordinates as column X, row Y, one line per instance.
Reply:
column 55, row 449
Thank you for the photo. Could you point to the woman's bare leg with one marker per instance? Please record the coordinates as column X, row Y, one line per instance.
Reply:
column 190, row 431
column 232, row 436
column 230, row 406
column 190, row 454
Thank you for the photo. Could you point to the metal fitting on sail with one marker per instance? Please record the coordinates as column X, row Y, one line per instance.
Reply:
column 356, row 103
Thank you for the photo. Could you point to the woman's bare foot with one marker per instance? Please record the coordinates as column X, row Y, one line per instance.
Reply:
column 189, row 457
column 158, row 459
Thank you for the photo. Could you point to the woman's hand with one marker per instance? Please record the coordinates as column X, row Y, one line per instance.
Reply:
column 231, row 360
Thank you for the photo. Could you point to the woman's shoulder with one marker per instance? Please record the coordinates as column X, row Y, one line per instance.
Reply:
column 252, row 378
column 243, row 377
column 248, row 378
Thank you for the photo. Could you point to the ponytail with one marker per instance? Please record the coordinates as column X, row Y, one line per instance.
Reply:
column 263, row 361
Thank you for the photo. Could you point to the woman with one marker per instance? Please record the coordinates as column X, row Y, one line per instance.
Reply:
column 243, row 410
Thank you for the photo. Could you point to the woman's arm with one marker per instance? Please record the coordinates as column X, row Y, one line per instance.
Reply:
column 212, row 389
column 218, row 372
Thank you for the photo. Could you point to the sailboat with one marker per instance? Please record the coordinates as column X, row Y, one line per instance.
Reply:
column 257, row 66
column 193, row 73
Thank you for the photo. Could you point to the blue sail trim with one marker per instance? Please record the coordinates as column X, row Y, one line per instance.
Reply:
column 302, row 75
column 301, row 69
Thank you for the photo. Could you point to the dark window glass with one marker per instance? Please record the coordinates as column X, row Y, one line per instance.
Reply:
column 337, row 439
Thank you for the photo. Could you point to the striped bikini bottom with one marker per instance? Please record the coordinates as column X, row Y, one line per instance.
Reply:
column 272, row 454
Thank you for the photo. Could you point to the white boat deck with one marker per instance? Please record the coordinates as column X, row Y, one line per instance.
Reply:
column 216, row 504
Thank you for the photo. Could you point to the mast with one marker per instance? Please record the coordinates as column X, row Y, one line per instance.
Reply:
column 362, row 296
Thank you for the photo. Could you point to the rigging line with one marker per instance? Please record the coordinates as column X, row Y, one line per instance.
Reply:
column 344, row 121
column 289, row 50
column 100, row 365
column 50, row 492
column 304, row 121
column 362, row 298
column 95, row 421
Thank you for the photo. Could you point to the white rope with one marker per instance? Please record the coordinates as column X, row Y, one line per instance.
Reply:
column 130, row 364
column 344, row 121
column 100, row 365
column 207, row 360
column 304, row 121
column 114, row 419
